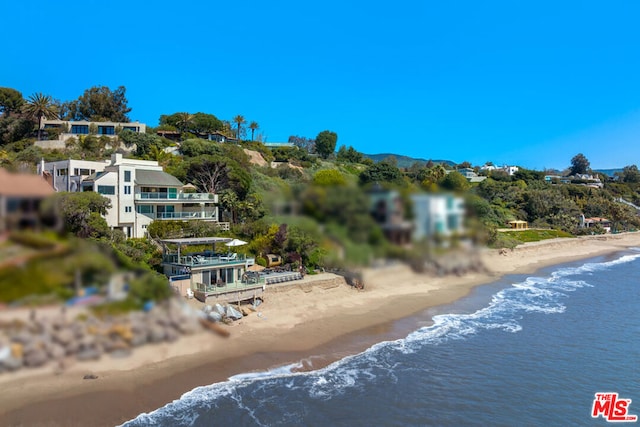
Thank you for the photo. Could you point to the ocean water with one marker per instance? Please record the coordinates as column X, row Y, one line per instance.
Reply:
column 523, row 351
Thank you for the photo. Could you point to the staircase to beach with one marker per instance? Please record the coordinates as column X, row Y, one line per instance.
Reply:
column 621, row 200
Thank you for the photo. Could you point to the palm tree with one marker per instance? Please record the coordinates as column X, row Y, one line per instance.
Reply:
column 184, row 121
column 253, row 126
column 159, row 155
column 40, row 106
column 239, row 121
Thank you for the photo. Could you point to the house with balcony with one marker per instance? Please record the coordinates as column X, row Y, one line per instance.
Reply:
column 66, row 175
column 139, row 190
column 217, row 274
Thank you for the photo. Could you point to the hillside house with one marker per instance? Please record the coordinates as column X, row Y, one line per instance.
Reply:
column 139, row 190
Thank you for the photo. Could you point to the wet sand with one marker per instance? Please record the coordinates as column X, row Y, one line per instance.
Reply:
column 318, row 321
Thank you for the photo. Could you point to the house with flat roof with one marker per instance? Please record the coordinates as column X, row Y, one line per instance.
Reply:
column 139, row 190
column 388, row 211
column 20, row 197
column 58, row 132
column 67, row 175
column 216, row 274
column 437, row 214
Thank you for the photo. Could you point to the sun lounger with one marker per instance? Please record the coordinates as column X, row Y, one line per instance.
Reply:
column 229, row 257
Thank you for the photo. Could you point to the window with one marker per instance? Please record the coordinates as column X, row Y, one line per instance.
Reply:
column 62, row 172
column 127, row 189
column 127, row 176
column 106, row 130
column 144, row 209
column 80, row 129
column 107, row 189
column 131, row 128
column 77, row 171
column 127, row 209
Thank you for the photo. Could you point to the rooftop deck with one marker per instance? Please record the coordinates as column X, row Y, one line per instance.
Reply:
column 208, row 260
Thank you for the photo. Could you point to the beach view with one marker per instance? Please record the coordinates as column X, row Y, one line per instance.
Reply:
column 423, row 215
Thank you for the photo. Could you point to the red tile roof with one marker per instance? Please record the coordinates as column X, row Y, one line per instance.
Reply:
column 23, row 185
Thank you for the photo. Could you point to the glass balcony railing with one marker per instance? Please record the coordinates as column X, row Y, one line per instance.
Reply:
column 185, row 215
column 177, row 196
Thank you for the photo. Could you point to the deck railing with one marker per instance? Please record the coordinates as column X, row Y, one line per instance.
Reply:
column 207, row 260
column 177, row 196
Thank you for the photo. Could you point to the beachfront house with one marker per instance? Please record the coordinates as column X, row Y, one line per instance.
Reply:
column 437, row 215
column 595, row 222
column 216, row 273
column 388, row 211
column 139, row 190
column 20, row 197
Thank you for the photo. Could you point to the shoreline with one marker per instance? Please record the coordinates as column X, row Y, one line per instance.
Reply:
column 317, row 324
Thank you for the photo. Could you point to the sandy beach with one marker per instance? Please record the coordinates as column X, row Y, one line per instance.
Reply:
column 311, row 317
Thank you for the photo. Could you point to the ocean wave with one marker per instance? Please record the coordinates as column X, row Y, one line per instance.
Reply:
column 507, row 307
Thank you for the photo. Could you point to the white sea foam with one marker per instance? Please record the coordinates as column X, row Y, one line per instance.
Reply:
column 506, row 308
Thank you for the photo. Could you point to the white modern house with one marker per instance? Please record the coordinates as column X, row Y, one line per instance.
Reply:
column 83, row 127
column 437, row 214
column 139, row 190
column 68, row 174
column 511, row 170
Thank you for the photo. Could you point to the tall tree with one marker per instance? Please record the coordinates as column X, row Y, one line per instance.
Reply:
column 184, row 121
column 239, row 120
column 10, row 100
column 99, row 103
column 579, row 164
column 39, row 106
column 253, row 126
column 326, row 143
column 302, row 142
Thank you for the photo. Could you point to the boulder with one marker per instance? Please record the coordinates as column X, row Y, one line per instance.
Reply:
column 22, row 337
column 220, row 309
column 5, row 352
column 139, row 338
column 214, row 316
column 171, row 335
column 17, row 350
column 56, row 351
column 156, row 333
column 120, row 353
column 89, row 354
column 64, row 336
column 122, row 330
column 11, row 364
column 232, row 313
column 35, row 357
column 72, row 347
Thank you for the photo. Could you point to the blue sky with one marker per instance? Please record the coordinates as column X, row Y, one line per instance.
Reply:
column 528, row 83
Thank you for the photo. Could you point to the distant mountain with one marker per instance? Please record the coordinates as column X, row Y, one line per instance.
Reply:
column 405, row 161
column 608, row 172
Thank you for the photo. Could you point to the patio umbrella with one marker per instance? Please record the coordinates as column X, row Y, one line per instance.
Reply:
column 236, row 242
column 255, row 267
